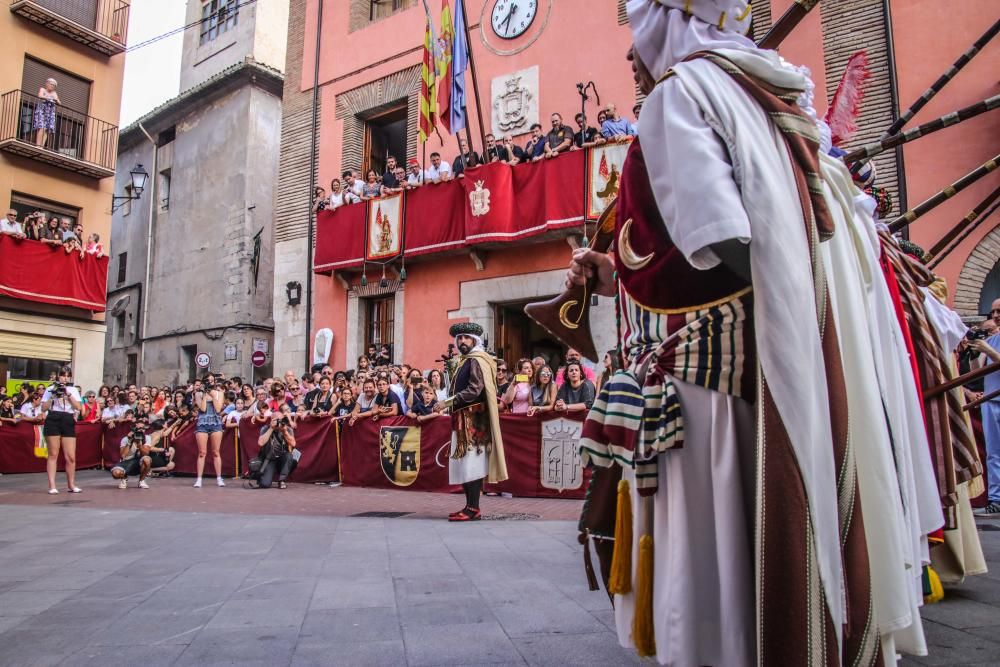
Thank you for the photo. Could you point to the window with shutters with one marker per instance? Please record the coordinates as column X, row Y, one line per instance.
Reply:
column 122, row 264
column 217, row 16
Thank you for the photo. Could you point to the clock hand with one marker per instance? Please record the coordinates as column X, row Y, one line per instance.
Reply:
column 510, row 14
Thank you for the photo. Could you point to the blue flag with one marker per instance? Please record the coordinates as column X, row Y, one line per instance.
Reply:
column 459, row 63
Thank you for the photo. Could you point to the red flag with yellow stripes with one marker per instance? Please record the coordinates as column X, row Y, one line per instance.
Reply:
column 428, row 100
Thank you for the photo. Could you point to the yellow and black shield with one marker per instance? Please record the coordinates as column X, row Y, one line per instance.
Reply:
column 399, row 451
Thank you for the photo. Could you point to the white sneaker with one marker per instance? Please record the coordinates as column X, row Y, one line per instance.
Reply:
column 75, row 489
column 123, row 483
column 218, row 480
column 142, row 484
column 53, row 492
column 197, row 483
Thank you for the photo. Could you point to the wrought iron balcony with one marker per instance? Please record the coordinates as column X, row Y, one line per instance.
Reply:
column 98, row 24
column 78, row 142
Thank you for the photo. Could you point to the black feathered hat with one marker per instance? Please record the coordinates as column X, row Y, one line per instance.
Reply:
column 465, row 329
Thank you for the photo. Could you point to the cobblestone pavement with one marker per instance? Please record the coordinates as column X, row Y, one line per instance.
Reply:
column 175, row 576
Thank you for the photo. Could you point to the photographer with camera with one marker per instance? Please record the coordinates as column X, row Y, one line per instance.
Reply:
column 277, row 450
column 60, row 401
column 989, row 348
column 209, row 401
column 322, row 401
column 135, row 450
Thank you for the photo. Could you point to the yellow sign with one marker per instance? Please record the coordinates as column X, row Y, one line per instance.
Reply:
column 399, row 451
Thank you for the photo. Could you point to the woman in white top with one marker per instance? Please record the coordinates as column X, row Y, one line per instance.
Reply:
column 436, row 380
column 337, row 195
column 31, row 409
column 61, row 401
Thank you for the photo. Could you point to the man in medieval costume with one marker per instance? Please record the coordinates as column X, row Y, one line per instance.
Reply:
column 476, row 444
column 729, row 418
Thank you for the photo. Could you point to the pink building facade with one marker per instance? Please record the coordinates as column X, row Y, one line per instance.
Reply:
column 361, row 103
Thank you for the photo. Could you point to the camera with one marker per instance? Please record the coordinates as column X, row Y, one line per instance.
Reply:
column 284, row 422
column 58, row 389
column 975, row 333
column 315, row 411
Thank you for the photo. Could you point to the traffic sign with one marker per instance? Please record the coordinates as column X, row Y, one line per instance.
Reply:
column 203, row 359
column 258, row 358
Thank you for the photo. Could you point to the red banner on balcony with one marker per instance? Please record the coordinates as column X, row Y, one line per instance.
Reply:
column 494, row 203
column 34, row 271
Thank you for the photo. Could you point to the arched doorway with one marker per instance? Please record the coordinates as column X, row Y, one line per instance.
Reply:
column 991, row 289
column 979, row 280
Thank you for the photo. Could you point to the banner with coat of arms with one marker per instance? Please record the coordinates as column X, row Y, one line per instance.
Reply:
column 561, row 465
column 604, row 169
column 384, row 229
column 399, row 452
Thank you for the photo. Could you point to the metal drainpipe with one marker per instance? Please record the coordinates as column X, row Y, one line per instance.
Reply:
column 312, row 185
column 149, row 259
column 894, row 100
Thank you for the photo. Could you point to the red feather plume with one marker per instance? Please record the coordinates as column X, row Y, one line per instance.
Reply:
column 846, row 105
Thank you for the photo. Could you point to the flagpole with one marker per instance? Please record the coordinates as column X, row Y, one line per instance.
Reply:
column 475, row 84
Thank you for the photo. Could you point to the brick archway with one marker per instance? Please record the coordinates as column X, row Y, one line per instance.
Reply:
column 977, row 266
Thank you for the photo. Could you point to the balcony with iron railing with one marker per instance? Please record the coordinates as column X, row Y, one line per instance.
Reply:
column 77, row 142
column 98, row 24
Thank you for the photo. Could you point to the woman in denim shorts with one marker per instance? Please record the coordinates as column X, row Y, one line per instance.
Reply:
column 209, row 402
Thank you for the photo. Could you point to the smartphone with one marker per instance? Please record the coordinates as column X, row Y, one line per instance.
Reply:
column 520, row 378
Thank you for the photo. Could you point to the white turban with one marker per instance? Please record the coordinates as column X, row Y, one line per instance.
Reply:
column 479, row 341
column 664, row 35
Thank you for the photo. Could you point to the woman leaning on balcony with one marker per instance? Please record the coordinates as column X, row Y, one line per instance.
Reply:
column 45, row 111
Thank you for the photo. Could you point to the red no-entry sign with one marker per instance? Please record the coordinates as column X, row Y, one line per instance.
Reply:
column 258, row 358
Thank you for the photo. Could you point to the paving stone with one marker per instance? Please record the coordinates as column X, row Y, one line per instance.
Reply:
column 263, row 614
column 545, row 617
column 598, row 648
column 318, row 653
column 160, row 655
column 267, row 647
column 353, row 594
column 478, row 644
column 154, row 629
column 961, row 613
column 22, row 603
column 351, row 625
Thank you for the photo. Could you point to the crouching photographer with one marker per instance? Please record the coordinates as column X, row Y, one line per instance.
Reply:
column 277, row 453
column 161, row 453
column 135, row 449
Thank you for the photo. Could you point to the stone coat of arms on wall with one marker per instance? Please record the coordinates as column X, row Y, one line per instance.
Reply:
column 515, row 101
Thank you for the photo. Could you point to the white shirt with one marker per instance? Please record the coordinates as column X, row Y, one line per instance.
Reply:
column 366, row 403
column 233, row 417
column 113, row 413
column 337, row 199
column 400, row 392
column 356, row 188
column 415, row 179
column 8, row 227
column 62, row 404
column 31, row 411
column 437, row 173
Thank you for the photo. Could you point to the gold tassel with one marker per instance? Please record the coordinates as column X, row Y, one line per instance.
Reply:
column 620, row 581
column 937, row 590
column 643, row 635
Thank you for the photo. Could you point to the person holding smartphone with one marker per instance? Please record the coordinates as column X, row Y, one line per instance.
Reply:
column 208, row 401
column 517, row 398
column 61, row 401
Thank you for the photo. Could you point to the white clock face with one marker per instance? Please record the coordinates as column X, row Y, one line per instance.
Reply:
column 511, row 18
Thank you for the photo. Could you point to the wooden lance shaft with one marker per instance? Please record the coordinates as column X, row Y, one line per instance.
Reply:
column 982, row 399
column 964, row 222
column 958, row 241
column 943, row 195
column 960, row 380
column 871, row 150
column 784, row 26
column 943, row 80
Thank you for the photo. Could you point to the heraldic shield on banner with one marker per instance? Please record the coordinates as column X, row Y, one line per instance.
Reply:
column 604, row 169
column 384, row 228
column 399, row 452
column 562, row 468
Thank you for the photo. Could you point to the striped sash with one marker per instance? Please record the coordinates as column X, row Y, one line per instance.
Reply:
column 637, row 414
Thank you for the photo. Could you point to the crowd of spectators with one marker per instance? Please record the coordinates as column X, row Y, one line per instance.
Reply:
column 351, row 189
column 53, row 231
column 375, row 389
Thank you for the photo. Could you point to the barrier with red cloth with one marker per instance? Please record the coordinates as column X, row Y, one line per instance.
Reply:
column 35, row 271
column 17, row 447
column 541, row 452
column 525, row 200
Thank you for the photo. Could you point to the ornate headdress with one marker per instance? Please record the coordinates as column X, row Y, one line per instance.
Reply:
column 731, row 15
column 466, row 329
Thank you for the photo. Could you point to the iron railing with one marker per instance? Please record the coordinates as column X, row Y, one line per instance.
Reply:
column 76, row 137
column 108, row 18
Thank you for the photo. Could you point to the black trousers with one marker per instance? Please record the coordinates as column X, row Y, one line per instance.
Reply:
column 282, row 466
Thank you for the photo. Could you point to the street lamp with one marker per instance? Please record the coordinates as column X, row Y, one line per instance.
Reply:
column 138, row 176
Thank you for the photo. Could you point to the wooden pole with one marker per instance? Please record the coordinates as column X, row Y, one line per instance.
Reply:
column 475, row 84
column 871, row 150
column 982, row 399
column 960, row 380
column 944, row 195
column 964, row 222
column 958, row 241
column 784, row 25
